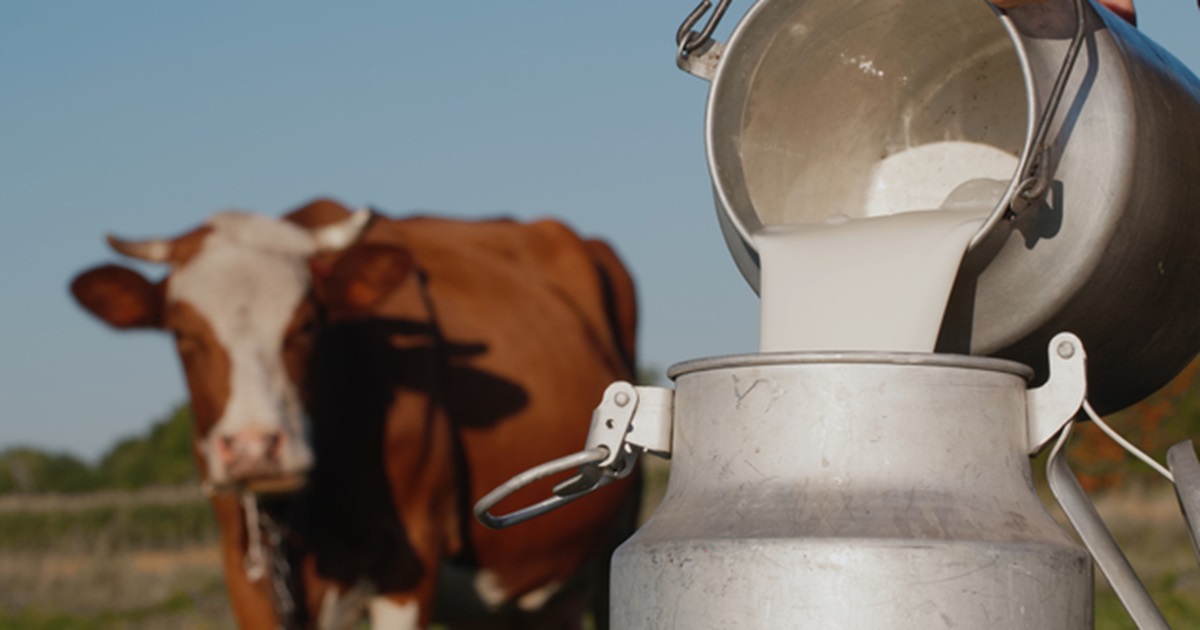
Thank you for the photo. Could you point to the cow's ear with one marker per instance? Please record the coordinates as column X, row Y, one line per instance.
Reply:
column 119, row 296
column 353, row 282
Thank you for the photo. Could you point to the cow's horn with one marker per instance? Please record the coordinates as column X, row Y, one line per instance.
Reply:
column 341, row 234
column 156, row 251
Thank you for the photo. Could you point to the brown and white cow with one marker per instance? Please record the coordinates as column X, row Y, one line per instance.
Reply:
column 391, row 372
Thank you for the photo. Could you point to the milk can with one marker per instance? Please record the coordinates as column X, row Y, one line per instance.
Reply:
column 851, row 491
column 1093, row 231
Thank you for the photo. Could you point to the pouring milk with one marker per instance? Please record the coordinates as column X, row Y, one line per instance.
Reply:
column 881, row 283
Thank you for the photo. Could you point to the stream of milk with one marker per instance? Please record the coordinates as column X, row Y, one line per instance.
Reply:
column 880, row 282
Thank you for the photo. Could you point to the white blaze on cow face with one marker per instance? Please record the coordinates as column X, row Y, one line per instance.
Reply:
column 247, row 281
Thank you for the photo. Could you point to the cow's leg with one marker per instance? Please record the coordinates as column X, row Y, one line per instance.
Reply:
column 566, row 611
column 420, row 471
column 341, row 608
column 413, row 607
column 395, row 613
column 251, row 601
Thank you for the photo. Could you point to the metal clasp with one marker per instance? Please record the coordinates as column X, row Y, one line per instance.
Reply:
column 629, row 421
column 697, row 53
column 687, row 39
column 1049, row 407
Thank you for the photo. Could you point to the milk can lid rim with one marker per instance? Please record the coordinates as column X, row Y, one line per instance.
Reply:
column 924, row 359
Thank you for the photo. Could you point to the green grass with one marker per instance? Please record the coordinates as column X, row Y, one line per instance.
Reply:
column 115, row 527
column 1146, row 523
column 1180, row 607
column 155, row 615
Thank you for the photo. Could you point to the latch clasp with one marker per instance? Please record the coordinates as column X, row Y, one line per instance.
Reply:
column 630, row 420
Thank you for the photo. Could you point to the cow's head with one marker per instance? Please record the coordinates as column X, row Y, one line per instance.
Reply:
column 244, row 298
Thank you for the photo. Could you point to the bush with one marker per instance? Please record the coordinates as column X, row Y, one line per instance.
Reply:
column 25, row 470
column 1168, row 416
column 162, row 457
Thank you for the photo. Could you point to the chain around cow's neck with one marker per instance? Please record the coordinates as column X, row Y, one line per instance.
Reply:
column 256, row 559
column 270, row 557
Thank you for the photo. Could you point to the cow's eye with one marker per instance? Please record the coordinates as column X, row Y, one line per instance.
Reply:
column 302, row 334
column 305, row 330
column 185, row 342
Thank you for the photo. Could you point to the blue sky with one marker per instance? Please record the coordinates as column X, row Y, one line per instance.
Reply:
column 144, row 117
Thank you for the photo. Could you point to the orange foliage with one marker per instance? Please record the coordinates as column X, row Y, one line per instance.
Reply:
column 1153, row 425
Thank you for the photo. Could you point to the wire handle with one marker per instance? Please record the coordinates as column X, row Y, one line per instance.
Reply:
column 1098, row 540
column 581, row 459
column 1036, row 171
column 628, row 421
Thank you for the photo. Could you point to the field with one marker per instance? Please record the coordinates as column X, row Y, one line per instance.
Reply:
column 110, row 560
column 149, row 560
column 1150, row 528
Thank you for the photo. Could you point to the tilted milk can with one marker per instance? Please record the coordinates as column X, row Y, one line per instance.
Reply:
column 809, row 95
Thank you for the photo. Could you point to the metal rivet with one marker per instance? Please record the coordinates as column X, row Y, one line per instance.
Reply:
column 622, row 399
column 1066, row 349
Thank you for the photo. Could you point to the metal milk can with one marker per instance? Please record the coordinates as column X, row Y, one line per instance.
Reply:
column 851, row 491
column 1095, row 230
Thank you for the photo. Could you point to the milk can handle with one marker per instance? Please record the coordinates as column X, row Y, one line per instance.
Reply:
column 1036, row 174
column 630, row 420
column 562, row 494
column 687, row 40
column 1099, row 541
column 696, row 52
column 1051, row 411
column 1185, row 468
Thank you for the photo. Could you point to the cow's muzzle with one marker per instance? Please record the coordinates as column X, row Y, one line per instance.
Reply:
column 254, row 459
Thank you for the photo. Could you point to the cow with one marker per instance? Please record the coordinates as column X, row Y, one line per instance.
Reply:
column 366, row 379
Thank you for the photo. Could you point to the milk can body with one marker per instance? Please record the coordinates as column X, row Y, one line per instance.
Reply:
column 851, row 491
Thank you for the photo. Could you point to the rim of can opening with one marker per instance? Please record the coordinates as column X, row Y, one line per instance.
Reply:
column 727, row 108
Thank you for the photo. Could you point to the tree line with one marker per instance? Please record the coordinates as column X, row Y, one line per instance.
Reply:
column 162, row 456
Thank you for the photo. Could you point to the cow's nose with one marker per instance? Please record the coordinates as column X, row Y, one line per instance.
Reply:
column 250, row 451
